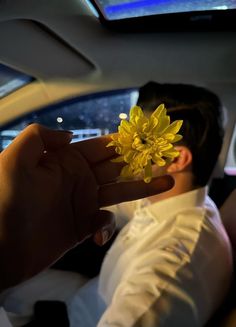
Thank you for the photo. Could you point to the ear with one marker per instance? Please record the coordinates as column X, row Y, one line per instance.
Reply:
column 182, row 162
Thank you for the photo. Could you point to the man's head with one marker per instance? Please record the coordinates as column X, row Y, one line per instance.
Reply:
column 202, row 129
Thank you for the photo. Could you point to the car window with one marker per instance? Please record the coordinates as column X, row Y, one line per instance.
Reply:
column 86, row 116
column 11, row 80
column 90, row 116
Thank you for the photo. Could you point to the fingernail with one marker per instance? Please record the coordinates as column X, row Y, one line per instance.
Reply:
column 65, row 131
column 102, row 236
column 69, row 134
column 105, row 236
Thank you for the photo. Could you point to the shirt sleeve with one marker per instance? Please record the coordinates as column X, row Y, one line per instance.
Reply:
column 4, row 321
column 154, row 296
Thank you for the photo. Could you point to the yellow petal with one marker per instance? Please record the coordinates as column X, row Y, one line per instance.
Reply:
column 137, row 141
column 135, row 112
column 160, row 112
column 142, row 158
column 128, row 156
column 151, row 125
column 174, row 127
column 163, row 125
column 112, row 143
column 126, row 172
column 118, row 159
column 115, row 136
column 125, row 126
column 177, row 138
column 169, row 136
column 171, row 153
column 119, row 149
column 158, row 160
column 140, row 147
column 165, row 147
column 148, row 172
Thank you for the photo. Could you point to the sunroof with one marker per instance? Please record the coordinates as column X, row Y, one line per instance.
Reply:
column 11, row 80
column 121, row 9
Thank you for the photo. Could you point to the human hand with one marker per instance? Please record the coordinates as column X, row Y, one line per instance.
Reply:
column 51, row 192
column 36, row 215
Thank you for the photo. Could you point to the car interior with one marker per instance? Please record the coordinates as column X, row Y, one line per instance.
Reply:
column 78, row 65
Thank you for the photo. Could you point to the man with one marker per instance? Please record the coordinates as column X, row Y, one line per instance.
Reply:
column 171, row 264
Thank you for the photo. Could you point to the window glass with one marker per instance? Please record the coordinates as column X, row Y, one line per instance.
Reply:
column 230, row 167
column 11, row 80
column 120, row 9
column 86, row 117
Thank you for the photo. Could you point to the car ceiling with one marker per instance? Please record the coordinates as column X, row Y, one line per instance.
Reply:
column 62, row 39
column 64, row 46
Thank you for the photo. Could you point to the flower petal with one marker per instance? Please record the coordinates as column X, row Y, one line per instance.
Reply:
column 174, row 127
column 128, row 156
column 126, row 172
column 135, row 112
column 158, row 160
column 118, row 159
column 148, row 172
column 111, row 143
column 163, row 125
column 177, row 138
column 160, row 112
column 171, row 153
column 125, row 126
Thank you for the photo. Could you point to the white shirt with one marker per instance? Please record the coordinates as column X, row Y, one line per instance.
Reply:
column 171, row 265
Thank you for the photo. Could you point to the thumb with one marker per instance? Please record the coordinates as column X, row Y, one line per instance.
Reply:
column 104, row 227
column 29, row 146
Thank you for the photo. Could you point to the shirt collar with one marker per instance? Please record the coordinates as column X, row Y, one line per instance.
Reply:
column 165, row 208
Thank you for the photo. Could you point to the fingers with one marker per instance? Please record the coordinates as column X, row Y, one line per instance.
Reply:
column 127, row 191
column 29, row 145
column 95, row 150
column 104, row 227
column 107, row 171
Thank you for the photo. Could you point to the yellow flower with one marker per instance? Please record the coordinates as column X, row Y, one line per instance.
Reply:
column 141, row 142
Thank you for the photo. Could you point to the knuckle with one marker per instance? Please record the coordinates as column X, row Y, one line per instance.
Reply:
column 34, row 127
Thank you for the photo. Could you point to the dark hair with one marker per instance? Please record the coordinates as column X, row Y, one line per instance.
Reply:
column 202, row 129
